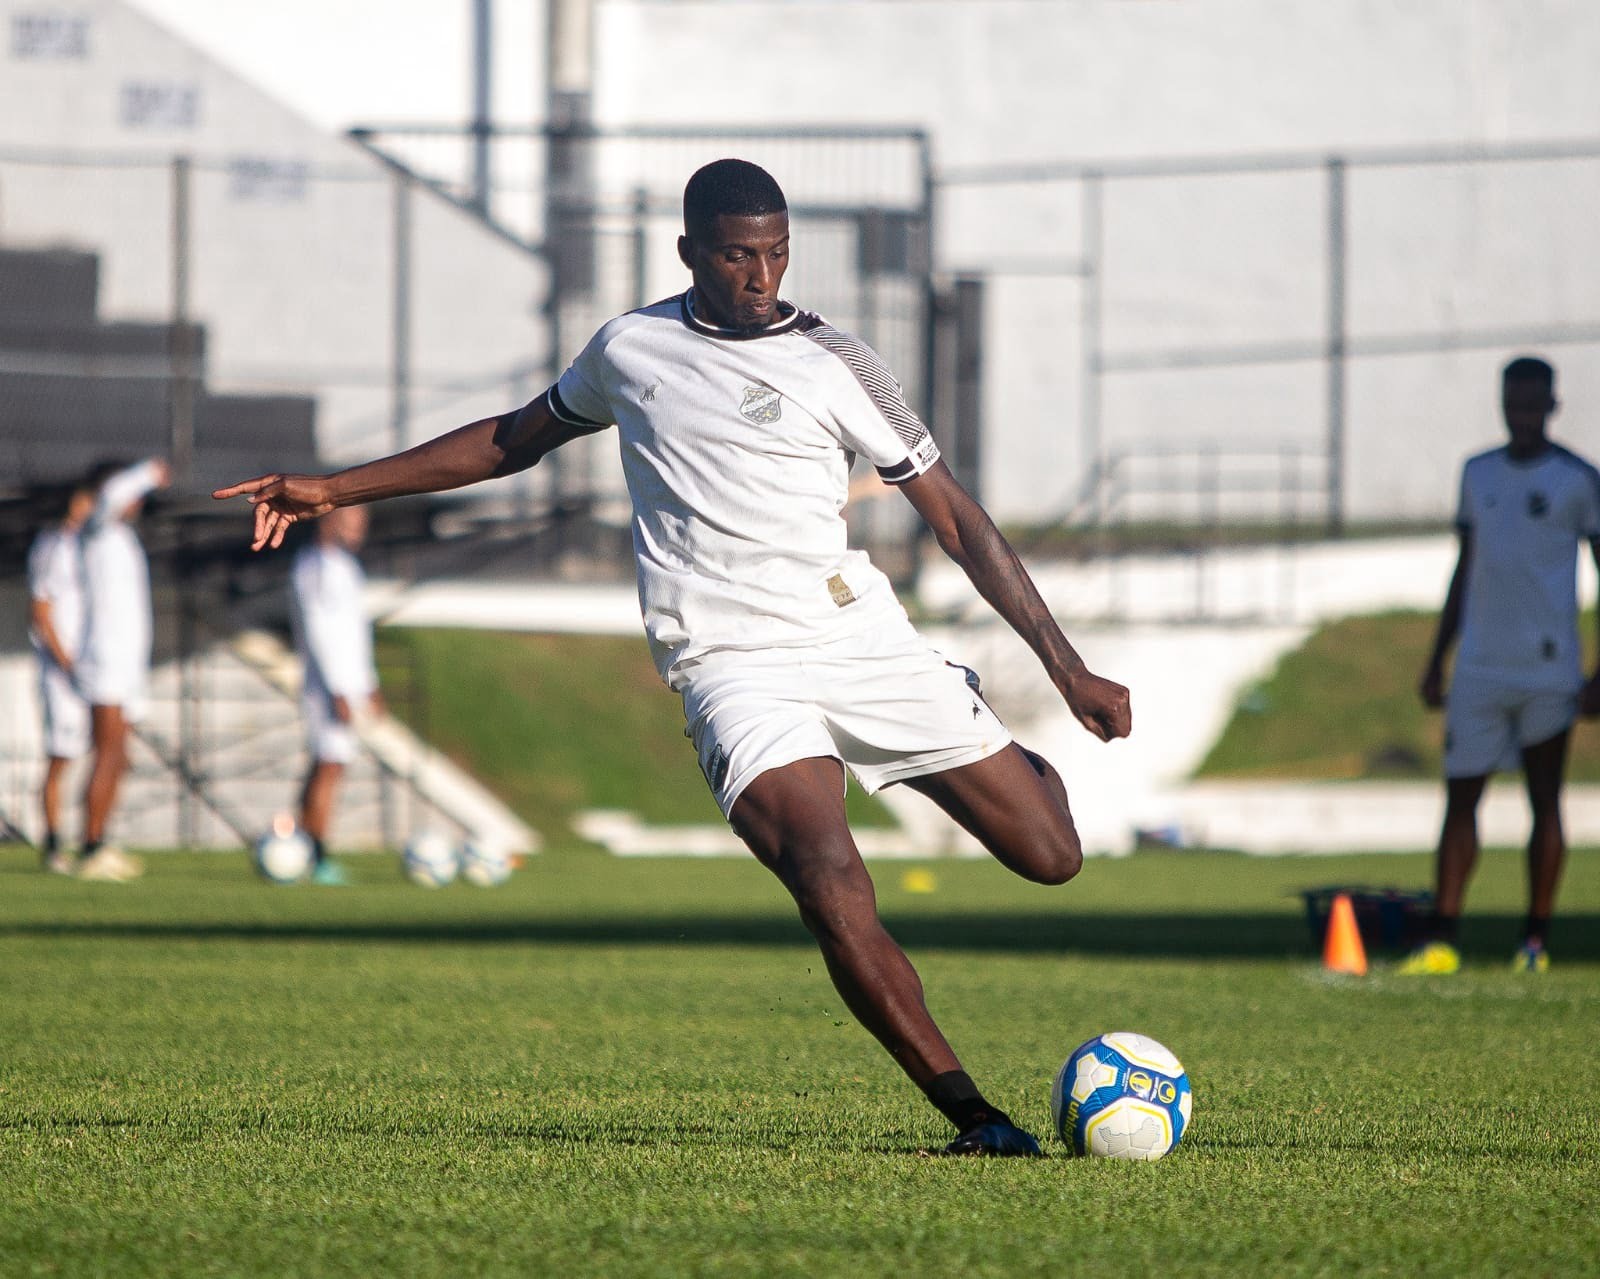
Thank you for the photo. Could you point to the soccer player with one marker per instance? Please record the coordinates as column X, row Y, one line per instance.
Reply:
column 738, row 416
column 334, row 639
column 1517, row 683
column 56, row 614
column 114, row 670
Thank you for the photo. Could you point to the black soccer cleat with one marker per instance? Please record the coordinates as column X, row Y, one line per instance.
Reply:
column 995, row 1139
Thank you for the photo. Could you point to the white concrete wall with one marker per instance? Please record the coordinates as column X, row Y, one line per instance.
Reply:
column 293, row 227
column 1199, row 261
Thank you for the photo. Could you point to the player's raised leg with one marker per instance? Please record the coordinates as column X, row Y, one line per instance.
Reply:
column 793, row 820
column 1015, row 804
column 1544, row 767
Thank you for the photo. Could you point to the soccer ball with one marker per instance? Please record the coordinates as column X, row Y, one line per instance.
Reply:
column 485, row 865
column 1121, row 1095
column 284, row 854
column 430, row 859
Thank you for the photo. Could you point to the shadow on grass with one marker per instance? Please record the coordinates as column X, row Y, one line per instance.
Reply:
column 1222, row 935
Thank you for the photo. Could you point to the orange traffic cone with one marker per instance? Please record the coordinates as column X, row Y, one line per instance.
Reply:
column 1342, row 951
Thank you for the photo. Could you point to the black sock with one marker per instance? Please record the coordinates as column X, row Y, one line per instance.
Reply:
column 91, row 847
column 52, row 842
column 1444, row 928
column 318, row 852
column 959, row 1100
column 1537, row 929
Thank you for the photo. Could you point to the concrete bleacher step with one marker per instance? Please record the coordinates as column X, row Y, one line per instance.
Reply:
column 55, row 285
column 62, row 365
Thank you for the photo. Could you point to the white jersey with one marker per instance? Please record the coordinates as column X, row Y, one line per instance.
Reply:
column 55, row 577
column 331, row 630
column 737, row 450
column 1527, row 520
column 115, row 665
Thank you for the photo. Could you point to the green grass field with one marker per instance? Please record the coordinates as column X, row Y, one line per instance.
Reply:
column 558, row 723
column 1344, row 706
column 638, row 1069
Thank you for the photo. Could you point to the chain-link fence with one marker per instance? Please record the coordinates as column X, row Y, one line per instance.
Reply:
column 1353, row 306
column 247, row 316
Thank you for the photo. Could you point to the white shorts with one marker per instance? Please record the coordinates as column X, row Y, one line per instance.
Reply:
column 66, row 714
column 125, row 684
column 328, row 740
column 1488, row 723
column 883, row 702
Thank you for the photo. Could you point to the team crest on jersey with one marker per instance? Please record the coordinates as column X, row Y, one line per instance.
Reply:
column 762, row 405
column 1538, row 505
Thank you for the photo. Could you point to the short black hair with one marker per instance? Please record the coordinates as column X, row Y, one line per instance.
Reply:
column 1530, row 368
column 728, row 187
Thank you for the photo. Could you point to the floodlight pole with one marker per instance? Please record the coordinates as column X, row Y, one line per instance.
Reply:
column 182, row 393
column 1338, row 332
column 482, row 101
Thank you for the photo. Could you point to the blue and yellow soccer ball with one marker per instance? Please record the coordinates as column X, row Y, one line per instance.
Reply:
column 485, row 864
column 1123, row 1096
column 430, row 859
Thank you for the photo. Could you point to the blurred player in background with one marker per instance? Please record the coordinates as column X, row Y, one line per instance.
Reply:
column 1518, row 683
column 114, row 670
column 56, row 616
column 739, row 417
column 334, row 639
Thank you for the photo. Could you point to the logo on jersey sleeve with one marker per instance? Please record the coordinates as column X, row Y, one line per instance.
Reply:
column 762, row 405
column 840, row 590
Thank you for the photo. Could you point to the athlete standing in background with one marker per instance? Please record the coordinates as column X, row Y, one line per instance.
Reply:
column 56, row 622
column 114, row 671
column 1518, row 682
column 739, row 416
column 334, row 639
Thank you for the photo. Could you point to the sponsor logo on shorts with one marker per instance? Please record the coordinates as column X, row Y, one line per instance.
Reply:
column 716, row 768
column 762, row 405
column 840, row 590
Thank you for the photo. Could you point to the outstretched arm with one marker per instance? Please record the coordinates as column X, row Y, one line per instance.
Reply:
column 1432, row 686
column 968, row 536
column 482, row 450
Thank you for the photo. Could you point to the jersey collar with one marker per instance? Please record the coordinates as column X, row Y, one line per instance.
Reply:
column 788, row 317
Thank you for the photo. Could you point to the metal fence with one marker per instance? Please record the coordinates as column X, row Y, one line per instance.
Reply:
column 605, row 208
column 1335, row 303
column 241, row 316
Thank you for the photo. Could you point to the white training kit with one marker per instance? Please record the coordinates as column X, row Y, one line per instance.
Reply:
column 784, row 643
column 334, row 639
column 1518, row 667
column 55, row 577
column 114, row 669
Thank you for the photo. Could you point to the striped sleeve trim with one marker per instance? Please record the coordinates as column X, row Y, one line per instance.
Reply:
column 875, row 380
column 558, row 406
